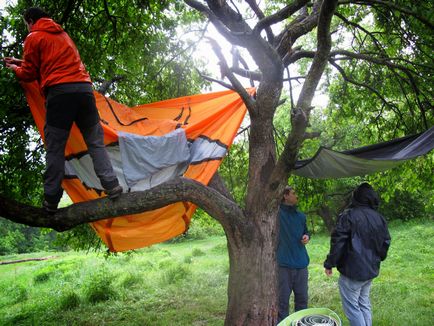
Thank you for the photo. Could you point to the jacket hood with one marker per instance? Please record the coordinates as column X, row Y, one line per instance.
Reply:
column 47, row 25
column 365, row 195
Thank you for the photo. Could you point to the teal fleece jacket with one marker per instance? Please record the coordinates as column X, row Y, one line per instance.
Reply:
column 291, row 253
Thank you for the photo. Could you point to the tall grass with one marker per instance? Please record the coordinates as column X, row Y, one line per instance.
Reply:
column 184, row 283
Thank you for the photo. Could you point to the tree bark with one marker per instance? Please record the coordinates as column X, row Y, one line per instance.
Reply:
column 327, row 216
column 252, row 286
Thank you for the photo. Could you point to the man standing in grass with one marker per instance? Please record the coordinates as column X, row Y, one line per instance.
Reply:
column 359, row 243
column 292, row 256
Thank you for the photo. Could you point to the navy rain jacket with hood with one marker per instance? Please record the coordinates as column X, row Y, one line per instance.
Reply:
column 361, row 238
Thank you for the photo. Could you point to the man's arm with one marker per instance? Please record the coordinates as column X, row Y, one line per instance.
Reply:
column 306, row 235
column 338, row 242
column 386, row 241
column 28, row 69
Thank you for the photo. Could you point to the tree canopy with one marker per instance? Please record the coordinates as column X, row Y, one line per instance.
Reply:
column 372, row 57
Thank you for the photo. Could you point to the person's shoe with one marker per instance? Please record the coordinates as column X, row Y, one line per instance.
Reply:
column 50, row 208
column 114, row 193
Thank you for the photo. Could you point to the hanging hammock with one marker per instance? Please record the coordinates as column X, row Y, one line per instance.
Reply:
column 148, row 145
column 188, row 136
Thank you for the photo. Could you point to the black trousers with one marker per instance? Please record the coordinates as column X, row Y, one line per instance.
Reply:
column 62, row 111
column 292, row 280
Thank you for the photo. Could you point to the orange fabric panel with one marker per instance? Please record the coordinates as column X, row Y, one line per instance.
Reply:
column 215, row 116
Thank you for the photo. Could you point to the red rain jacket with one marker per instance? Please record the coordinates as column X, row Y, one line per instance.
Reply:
column 50, row 56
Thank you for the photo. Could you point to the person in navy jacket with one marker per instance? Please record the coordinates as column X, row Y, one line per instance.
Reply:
column 292, row 257
column 358, row 244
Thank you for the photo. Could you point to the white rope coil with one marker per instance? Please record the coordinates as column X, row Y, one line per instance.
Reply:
column 316, row 320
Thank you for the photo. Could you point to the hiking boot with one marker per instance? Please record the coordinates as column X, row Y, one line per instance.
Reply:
column 50, row 208
column 114, row 193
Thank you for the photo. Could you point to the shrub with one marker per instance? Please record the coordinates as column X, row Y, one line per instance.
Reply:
column 221, row 248
column 174, row 274
column 129, row 280
column 41, row 277
column 188, row 259
column 202, row 226
column 17, row 293
column 69, row 300
column 197, row 252
column 404, row 205
column 99, row 288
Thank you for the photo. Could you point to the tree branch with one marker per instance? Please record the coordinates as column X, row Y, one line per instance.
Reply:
column 260, row 15
column 391, row 5
column 221, row 28
column 299, row 27
column 253, row 75
column 248, row 101
column 232, row 26
column 177, row 190
column 213, row 80
column 105, row 84
column 279, row 16
column 321, row 56
column 300, row 115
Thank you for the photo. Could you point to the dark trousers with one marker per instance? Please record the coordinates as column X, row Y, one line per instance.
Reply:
column 292, row 280
column 62, row 111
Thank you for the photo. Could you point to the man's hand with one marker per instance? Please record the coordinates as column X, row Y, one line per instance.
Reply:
column 305, row 239
column 12, row 61
column 328, row 272
column 11, row 66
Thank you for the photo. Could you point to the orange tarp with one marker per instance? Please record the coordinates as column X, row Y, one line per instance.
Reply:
column 215, row 116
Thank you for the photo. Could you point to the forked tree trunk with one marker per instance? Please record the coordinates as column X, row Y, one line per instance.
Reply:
column 252, row 286
column 327, row 216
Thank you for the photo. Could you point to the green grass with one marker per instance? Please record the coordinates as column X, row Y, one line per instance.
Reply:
column 184, row 283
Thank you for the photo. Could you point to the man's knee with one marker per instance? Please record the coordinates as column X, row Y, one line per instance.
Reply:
column 93, row 136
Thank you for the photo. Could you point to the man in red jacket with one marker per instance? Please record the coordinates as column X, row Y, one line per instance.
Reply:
column 51, row 57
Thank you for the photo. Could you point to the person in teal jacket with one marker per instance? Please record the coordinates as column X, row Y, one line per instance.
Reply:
column 292, row 257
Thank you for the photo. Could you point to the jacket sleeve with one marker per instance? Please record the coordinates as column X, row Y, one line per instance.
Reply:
column 305, row 229
column 339, row 240
column 29, row 69
column 386, row 242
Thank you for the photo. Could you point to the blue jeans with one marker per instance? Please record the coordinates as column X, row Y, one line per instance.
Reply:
column 292, row 280
column 355, row 300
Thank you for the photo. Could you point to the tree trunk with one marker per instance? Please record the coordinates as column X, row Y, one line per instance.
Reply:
column 252, row 286
column 325, row 213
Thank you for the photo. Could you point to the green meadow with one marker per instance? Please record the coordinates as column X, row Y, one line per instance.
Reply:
column 184, row 283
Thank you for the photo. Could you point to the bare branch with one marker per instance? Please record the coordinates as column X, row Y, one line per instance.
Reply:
column 300, row 114
column 105, row 84
column 253, row 75
column 213, row 80
column 260, row 15
column 221, row 28
column 390, row 5
column 321, row 56
column 378, row 60
column 297, row 55
column 177, row 190
column 218, row 184
column 364, row 30
column 193, row 46
column 231, row 25
column 311, row 135
column 277, row 17
column 299, row 27
column 248, row 101
column 364, row 85
column 112, row 18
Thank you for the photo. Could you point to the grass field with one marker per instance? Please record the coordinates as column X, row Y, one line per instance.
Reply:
column 185, row 284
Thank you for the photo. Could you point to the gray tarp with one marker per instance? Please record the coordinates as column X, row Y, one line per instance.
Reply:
column 144, row 156
column 364, row 160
